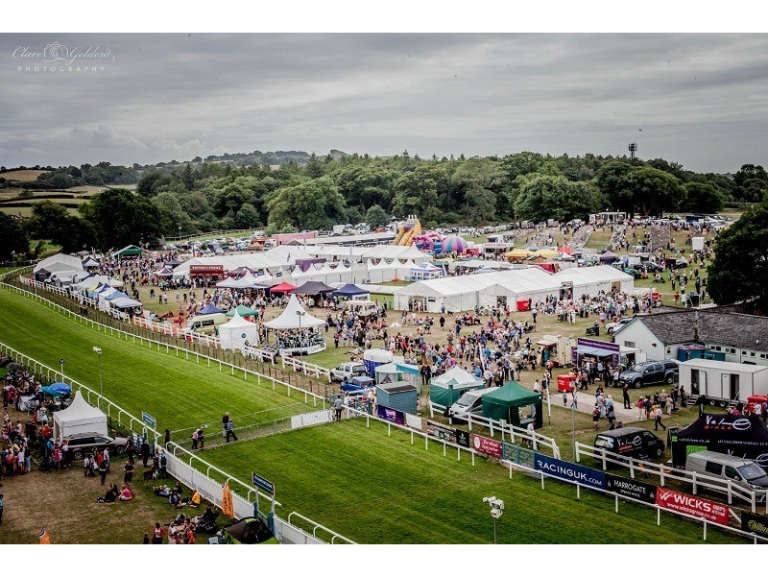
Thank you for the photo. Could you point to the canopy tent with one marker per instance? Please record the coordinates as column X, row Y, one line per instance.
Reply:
column 742, row 436
column 350, row 291
column 125, row 303
column 79, row 418
column 311, row 287
column 248, row 531
column 445, row 389
column 59, row 263
column 166, row 271
column 209, row 309
column 505, row 404
column 173, row 262
column 243, row 311
column 237, row 332
column 90, row 262
column 294, row 317
column 608, row 257
column 591, row 280
column 227, row 283
column 116, row 295
column 283, row 288
column 128, row 252
column 454, row 244
column 425, row 271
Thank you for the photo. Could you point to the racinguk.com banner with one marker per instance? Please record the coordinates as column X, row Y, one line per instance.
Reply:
column 567, row 471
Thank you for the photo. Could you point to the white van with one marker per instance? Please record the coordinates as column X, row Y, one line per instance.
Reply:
column 362, row 308
column 743, row 473
column 471, row 402
column 205, row 324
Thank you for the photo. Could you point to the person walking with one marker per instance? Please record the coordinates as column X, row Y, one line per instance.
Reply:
column 338, row 403
column 128, row 476
column 229, row 429
column 657, row 422
column 625, row 395
column 194, row 440
column 144, row 452
column 201, row 437
column 103, row 469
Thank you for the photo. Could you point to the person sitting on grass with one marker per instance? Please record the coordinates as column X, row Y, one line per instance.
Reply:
column 125, row 494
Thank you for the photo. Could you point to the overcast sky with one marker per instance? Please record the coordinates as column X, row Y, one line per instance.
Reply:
column 700, row 100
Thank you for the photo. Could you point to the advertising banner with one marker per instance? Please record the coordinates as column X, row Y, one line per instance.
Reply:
column 754, row 523
column 391, row 415
column 631, row 488
column 462, row 438
column 568, row 471
column 487, row 446
column 441, row 431
column 692, row 505
column 206, row 271
column 584, row 344
column 413, row 421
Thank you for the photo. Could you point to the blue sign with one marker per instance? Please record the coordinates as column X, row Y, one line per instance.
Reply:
column 149, row 420
column 263, row 483
column 573, row 472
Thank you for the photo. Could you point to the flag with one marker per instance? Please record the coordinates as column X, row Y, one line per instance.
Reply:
column 45, row 537
column 227, row 507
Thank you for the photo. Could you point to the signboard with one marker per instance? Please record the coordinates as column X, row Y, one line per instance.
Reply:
column 597, row 344
column 391, row 415
column 441, row 431
column 631, row 488
column 487, row 446
column 462, row 438
column 692, row 505
column 742, row 436
column 263, row 483
column 754, row 523
column 149, row 420
column 413, row 421
column 206, row 270
column 213, row 540
column 568, row 471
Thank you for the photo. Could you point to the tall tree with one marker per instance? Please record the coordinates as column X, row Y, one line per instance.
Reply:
column 314, row 168
column 702, row 197
column 376, row 217
column 13, row 239
column 120, row 218
column 188, row 177
column 311, row 205
column 739, row 270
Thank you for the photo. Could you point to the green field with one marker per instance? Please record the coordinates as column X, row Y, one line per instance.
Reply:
column 370, row 487
column 378, row 489
column 178, row 392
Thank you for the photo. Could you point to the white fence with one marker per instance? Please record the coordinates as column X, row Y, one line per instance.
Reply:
column 665, row 474
column 208, row 488
column 705, row 523
column 306, row 367
column 538, row 441
column 311, row 419
column 179, row 351
column 260, row 354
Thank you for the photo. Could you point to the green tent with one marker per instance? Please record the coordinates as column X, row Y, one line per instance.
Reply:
column 445, row 389
column 505, row 403
column 248, row 531
column 243, row 311
column 128, row 252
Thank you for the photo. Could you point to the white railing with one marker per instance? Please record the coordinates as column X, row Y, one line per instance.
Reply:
column 514, row 432
column 259, row 354
column 316, row 527
column 306, row 367
column 666, row 473
column 542, row 475
column 168, row 347
column 207, row 487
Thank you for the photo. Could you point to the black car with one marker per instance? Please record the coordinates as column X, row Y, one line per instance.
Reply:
column 632, row 442
column 649, row 267
column 82, row 444
column 650, row 373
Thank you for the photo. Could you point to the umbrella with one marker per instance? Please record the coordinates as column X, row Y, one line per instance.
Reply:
column 60, row 387
column 454, row 244
column 55, row 393
column 15, row 366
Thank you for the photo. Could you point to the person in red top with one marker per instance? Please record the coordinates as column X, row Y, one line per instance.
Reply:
column 157, row 534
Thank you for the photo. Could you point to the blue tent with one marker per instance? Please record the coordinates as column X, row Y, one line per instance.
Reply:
column 117, row 294
column 350, row 290
column 60, row 387
column 210, row 309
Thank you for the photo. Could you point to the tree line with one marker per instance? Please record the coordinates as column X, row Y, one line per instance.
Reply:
column 339, row 188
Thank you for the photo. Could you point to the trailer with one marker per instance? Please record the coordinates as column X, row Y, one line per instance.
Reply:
column 720, row 383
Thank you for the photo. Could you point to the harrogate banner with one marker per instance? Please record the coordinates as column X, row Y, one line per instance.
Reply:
column 631, row 488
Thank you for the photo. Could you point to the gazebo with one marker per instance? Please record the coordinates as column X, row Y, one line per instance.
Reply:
column 282, row 288
column 313, row 288
column 238, row 333
column 296, row 331
column 243, row 311
column 209, row 309
column 351, row 292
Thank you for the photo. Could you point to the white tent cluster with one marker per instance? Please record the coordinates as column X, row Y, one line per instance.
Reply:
column 460, row 293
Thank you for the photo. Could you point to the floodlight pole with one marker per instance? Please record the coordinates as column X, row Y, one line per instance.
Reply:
column 101, row 379
column 61, row 362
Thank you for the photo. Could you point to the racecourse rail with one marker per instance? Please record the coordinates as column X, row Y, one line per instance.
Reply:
column 177, row 467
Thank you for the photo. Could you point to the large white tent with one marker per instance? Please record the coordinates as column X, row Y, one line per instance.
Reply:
column 79, row 418
column 234, row 334
column 590, row 280
column 293, row 317
column 59, row 263
column 460, row 293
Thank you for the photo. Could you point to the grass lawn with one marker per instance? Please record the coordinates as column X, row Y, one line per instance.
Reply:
column 178, row 392
column 378, row 489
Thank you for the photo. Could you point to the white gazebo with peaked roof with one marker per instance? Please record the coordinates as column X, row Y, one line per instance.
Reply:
column 238, row 333
column 297, row 332
column 79, row 418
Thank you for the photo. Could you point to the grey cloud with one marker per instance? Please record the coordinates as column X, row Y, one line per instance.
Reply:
column 176, row 96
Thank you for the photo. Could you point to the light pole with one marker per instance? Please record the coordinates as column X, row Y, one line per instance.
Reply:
column 497, row 509
column 573, row 422
column 61, row 363
column 299, row 314
column 101, row 380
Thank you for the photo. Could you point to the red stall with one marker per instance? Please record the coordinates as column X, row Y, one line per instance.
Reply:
column 566, row 382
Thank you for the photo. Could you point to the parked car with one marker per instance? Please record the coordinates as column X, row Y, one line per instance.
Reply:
column 632, row 442
column 676, row 263
column 471, row 402
column 348, row 370
column 82, row 444
column 613, row 326
column 650, row 373
column 743, row 473
column 649, row 267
